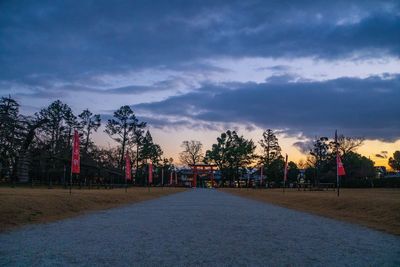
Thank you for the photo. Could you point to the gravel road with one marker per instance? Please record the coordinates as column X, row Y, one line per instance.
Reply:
column 199, row 227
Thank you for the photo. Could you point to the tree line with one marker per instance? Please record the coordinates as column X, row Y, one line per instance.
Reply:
column 42, row 143
column 236, row 156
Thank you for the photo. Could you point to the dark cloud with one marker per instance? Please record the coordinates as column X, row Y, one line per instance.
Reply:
column 162, row 123
column 303, row 146
column 73, row 39
column 284, row 78
column 358, row 107
column 382, row 155
column 51, row 91
column 276, row 68
column 140, row 89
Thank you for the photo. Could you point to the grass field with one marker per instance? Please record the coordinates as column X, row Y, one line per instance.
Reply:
column 20, row 206
column 375, row 208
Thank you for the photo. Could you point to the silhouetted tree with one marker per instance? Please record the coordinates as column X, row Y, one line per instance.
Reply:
column 270, row 146
column 137, row 137
column 192, row 152
column 320, row 153
column 293, row 171
column 231, row 154
column 89, row 123
column 357, row 166
column 11, row 135
column 275, row 170
column 346, row 144
column 57, row 132
column 149, row 150
column 240, row 153
column 120, row 128
column 218, row 154
column 394, row 161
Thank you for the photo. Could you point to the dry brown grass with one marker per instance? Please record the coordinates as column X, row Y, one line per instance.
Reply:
column 19, row 206
column 375, row 208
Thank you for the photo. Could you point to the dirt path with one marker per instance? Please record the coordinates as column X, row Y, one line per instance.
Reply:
column 199, row 227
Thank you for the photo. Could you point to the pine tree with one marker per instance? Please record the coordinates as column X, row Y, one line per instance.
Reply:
column 89, row 124
column 271, row 148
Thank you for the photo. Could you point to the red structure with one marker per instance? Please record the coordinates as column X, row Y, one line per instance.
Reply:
column 201, row 169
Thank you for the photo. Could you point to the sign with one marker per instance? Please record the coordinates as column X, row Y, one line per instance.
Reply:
column 286, row 169
column 75, row 163
column 128, row 167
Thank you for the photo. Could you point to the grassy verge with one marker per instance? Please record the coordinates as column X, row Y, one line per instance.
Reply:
column 20, row 206
column 375, row 208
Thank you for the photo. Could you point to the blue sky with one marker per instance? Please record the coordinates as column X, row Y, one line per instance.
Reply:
column 195, row 68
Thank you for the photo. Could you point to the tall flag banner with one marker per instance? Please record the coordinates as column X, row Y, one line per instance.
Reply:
column 128, row 175
column 176, row 177
column 75, row 162
column 170, row 178
column 150, row 173
column 340, row 167
column 286, row 169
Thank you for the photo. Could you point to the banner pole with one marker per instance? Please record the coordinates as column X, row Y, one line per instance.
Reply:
column 285, row 173
column 337, row 165
column 70, row 182
column 337, row 182
column 150, row 169
column 72, row 159
column 162, row 177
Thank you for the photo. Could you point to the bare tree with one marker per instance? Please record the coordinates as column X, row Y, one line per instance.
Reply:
column 192, row 152
column 347, row 144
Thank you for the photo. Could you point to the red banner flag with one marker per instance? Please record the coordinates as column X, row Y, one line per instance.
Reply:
column 340, row 167
column 75, row 163
column 170, row 179
column 286, row 169
column 128, row 167
column 150, row 173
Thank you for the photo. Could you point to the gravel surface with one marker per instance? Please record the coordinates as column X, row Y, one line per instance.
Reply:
column 199, row 227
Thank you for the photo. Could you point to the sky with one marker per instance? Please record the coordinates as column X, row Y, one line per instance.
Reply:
column 193, row 69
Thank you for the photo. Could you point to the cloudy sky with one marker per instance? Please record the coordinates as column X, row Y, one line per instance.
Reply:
column 192, row 69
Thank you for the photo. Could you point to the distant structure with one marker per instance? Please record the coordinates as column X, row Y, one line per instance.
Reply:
column 380, row 171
